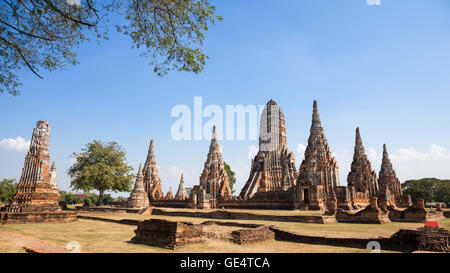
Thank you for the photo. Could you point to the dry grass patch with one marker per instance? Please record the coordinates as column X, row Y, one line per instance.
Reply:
column 102, row 237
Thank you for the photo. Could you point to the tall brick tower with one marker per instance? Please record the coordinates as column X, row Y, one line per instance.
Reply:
column 34, row 191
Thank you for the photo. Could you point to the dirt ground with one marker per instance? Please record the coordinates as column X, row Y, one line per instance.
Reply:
column 104, row 237
column 14, row 242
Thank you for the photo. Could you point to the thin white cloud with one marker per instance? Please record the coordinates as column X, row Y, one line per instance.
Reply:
column 373, row 2
column 372, row 154
column 252, row 151
column 300, row 153
column 17, row 144
column 175, row 170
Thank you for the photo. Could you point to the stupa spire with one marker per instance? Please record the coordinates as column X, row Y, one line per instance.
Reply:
column 319, row 165
column 361, row 177
column 388, row 179
column 316, row 125
column 359, row 148
column 181, row 193
column 138, row 197
column 152, row 182
column 214, row 172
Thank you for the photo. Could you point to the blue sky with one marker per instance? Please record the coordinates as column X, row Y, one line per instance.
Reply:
column 384, row 68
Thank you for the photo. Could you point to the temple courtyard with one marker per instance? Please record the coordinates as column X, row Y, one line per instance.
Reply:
column 98, row 236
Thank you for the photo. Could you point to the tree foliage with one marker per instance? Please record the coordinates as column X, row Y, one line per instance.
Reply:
column 43, row 34
column 7, row 190
column 101, row 166
column 71, row 198
column 430, row 189
column 231, row 175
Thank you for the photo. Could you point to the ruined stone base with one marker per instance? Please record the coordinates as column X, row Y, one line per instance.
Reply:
column 423, row 239
column 447, row 213
column 37, row 217
column 167, row 234
column 251, row 236
column 405, row 240
column 368, row 215
column 414, row 215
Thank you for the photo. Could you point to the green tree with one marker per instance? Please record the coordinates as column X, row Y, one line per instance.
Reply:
column 7, row 190
column 231, row 175
column 101, row 166
column 430, row 189
column 42, row 34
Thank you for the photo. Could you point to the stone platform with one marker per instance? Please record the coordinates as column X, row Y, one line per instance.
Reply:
column 405, row 240
column 423, row 239
column 37, row 217
column 416, row 213
column 370, row 215
column 167, row 234
column 252, row 236
column 172, row 234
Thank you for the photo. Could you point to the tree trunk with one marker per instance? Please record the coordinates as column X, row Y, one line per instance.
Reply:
column 100, row 198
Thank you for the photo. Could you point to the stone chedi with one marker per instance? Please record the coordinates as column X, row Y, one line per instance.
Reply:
column 214, row 179
column 169, row 195
column 138, row 197
column 273, row 168
column 35, row 191
column 54, row 178
column 318, row 175
column 361, row 177
column 389, row 184
column 152, row 182
column 181, row 193
column 319, row 166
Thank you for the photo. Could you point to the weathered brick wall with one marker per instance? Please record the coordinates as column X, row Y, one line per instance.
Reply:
column 447, row 213
column 365, row 216
column 251, row 236
column 37, row 217
column 416, row 214
column 423, row 239
column 223, row 214
column 167, row 234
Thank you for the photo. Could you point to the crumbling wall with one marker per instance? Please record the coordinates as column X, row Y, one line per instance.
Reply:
column 423, row 239
column 370, row 215
column 224, row 214
column 251, row 236
column 415, row 213
column 37, row 217
column 167, row 234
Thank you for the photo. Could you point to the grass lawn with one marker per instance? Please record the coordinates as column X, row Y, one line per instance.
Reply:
column 102, row 237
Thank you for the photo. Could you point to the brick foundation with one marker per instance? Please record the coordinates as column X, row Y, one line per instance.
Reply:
column 37, row 217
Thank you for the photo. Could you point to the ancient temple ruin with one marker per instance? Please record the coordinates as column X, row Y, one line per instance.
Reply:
column 37, row 197
column 181, row 193
column 273, row 168
column 214, row 181
column 152, row 182
column 138, row 197
column 319, row 173
column 362, row 179
column 274, row 183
